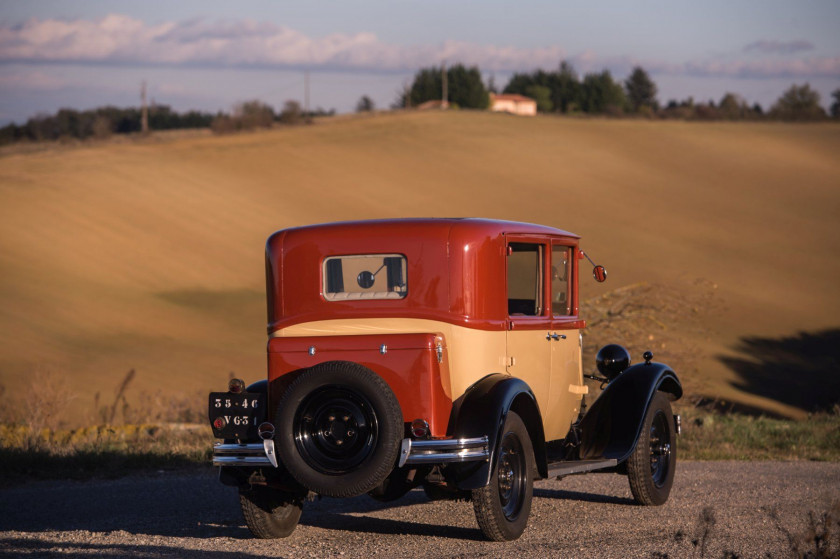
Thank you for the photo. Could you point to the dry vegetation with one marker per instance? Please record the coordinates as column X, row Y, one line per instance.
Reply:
column 148, row 255
column 166, row 430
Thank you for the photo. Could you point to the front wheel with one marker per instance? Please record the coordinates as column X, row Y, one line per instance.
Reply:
column 270, row 513
column 503, row 506
column 650, row 468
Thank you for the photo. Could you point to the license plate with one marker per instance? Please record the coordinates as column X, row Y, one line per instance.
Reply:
column 242, row 413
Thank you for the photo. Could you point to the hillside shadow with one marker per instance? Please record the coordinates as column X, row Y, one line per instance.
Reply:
column 801, row 371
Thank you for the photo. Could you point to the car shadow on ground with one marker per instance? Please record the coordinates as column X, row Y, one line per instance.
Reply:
column 799, row 370
column 581, row 496
column 67, row 547
column 196, row 506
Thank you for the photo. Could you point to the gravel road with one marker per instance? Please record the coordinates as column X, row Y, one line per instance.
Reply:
column 592, row 515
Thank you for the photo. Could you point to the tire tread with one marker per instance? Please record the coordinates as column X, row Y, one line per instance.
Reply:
column 270, row 514
column 638, row 465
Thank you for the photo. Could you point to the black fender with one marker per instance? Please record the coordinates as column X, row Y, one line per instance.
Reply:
column 612, row 425
column 260, row 387
column 482, row 410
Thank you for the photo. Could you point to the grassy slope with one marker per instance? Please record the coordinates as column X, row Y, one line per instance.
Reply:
column 150, row 255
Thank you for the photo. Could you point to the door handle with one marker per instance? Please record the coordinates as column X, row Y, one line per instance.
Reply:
column 555, row 336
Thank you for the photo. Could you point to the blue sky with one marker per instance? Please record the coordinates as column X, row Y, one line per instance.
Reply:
column 210, row 55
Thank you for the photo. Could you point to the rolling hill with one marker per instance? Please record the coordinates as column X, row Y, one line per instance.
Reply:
column 149, row 254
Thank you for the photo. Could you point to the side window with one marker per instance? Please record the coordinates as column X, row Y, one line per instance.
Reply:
column 365, row 276
column 524, row 279
column 560, row 270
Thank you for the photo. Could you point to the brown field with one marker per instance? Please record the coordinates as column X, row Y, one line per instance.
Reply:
column 149, row 254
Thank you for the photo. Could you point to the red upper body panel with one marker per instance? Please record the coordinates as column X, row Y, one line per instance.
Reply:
column 455, row 269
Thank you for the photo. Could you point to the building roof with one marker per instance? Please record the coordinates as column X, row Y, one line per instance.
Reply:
column 515, row 97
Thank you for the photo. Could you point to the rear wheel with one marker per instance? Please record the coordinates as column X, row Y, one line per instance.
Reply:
column 503, row 506
column 339, row 429
column 270, row 513
column 650, row 468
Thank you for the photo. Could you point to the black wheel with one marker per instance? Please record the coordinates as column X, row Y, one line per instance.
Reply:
column 339, row 429
column 270, row 513
column 651, row 466
column 503, row 506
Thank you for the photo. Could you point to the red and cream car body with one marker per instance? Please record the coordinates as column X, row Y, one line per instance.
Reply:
column 466, row 323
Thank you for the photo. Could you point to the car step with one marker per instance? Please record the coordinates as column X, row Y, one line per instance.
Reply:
column 568, row 467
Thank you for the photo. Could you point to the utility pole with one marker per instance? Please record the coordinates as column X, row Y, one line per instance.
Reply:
column 445, row 87
column 306, row 94
column 144, row 111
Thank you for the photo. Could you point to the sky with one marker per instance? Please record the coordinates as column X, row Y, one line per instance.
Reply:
column 210, row 55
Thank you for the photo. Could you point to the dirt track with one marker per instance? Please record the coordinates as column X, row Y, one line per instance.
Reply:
column 581, row 516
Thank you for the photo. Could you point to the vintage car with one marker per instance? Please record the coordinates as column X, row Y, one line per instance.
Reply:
column 435, row 353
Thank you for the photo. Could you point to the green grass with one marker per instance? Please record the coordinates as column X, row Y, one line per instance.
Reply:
column 710, row 436
column 100, row 451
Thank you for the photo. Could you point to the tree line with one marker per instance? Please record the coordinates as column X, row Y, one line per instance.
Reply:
column 599, row 93
column 100, row 123
column 560, row 91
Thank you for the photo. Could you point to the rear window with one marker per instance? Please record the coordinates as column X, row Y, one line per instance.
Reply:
column 365, row 276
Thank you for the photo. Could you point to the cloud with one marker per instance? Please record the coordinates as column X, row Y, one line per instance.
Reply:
column 817, row 67
column 779, row 47
column 119, row 39
column 123, row 40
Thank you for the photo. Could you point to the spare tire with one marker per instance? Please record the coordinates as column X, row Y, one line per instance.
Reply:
column 339, row 429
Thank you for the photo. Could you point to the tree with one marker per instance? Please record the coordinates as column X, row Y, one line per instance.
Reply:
column 519, row 83
column 291, row 113
column 365, row 104
column 835, row 107
column 101, row 127
column 601, row 94
column 427, row 85
column 800, row 102
column 563, row 85
column 567, row 88
column 542, row 95
column 641, row 91
column 732, row 107
column 464, row 87
column 254, row 114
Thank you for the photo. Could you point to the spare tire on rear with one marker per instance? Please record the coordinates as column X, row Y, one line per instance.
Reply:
column 339, row 429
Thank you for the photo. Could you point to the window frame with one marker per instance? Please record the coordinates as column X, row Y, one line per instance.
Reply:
column 331, row 296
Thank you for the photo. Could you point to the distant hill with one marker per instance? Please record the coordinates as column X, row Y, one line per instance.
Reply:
column 149, row 255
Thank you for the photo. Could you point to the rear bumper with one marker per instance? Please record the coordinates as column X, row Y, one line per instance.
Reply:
column 250, row 454
column 412, row 451
column 442, row 451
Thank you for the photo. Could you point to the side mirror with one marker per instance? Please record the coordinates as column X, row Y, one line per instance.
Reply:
column 599, row 273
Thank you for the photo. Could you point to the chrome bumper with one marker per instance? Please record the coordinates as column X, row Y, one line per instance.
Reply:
column 440, row 451
column 252, row 454
column 412, row 451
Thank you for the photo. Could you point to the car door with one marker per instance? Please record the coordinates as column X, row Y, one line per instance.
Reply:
column 528, row 348
column 566, row 387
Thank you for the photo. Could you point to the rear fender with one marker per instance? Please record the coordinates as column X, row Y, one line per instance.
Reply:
column 481, row 411
column 259, row 387
column 613, row 424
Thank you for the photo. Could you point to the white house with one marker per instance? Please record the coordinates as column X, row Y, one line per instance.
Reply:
column 513, row 103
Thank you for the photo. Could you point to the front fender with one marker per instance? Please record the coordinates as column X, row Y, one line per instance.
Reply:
column 482, row 410
column 613, row 424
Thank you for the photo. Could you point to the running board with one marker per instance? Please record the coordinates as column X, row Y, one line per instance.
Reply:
column 578, row 466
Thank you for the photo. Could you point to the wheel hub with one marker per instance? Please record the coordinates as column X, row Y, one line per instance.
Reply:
column 336, row 429
column 511, row 477
column 660, row 449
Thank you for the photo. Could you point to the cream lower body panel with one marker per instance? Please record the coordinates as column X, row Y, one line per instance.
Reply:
column 471, row 354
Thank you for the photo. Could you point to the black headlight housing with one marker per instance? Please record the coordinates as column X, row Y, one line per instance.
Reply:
column 612, row 359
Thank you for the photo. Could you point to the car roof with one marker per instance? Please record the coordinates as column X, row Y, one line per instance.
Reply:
column 435, row 226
